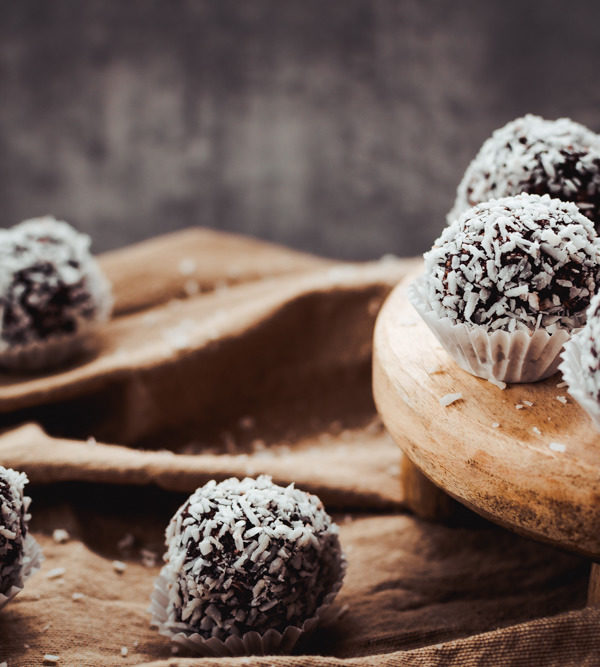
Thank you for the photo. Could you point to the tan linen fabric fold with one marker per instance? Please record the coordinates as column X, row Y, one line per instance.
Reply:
column 260, row 364
column 191, row 261
column 293, row 343
column 565, row 639
column 409, row 584
column 325, row 465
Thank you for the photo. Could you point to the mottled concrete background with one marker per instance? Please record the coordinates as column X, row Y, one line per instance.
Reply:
column 337, row 126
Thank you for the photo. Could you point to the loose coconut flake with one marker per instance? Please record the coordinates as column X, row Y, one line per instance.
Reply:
column 60, row 536
column 448, row 399
column 55, row 573
column 118, row 566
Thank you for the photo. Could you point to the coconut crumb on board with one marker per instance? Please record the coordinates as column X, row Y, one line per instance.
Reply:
column 124, row 651
column 562, row 384
column 60, row 536
column 118, row 566
column 529, row 404
column 536, row 430
column 562, row 399
column 497, row 383
column 495, row 424
column 557, row 447
column 519, row 406
column 77, row 596
column 448, row 399
column 51, row 659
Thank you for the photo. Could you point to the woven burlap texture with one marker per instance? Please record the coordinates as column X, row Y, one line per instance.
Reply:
column 228, row 356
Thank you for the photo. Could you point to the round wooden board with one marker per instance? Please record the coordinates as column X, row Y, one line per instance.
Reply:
column 509, row 474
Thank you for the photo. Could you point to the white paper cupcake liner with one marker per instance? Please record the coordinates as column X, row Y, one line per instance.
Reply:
column 32, row 560
column 574, row 374
column 58, row 349
column 520, row 356
column 251, row 643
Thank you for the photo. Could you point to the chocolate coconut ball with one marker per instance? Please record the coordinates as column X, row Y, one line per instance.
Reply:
column 530, row 154
column 249, row 556
column 50, row 285
column 587, row 342
column 13, row 527
column 524, row 262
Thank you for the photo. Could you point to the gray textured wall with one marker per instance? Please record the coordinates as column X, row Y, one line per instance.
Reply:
column 337, row 126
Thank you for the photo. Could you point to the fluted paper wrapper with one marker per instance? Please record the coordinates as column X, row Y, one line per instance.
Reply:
column 574, row 372
column 518, row 356
column 32, row 560
column 251, row 643
column 56, row 350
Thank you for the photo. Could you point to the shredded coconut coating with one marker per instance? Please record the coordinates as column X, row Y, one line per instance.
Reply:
column 520, row 262
column 530, row 154
column 249, row 555
column 49, row 282
column 14, row 518
column 589, row 344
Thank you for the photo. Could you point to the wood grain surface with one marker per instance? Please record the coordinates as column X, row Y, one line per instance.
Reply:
column 519, row 456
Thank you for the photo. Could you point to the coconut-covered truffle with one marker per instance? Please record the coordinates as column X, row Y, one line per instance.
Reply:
column 589, row 347
column 521, row 262
column 50, row 285
column 249, row 556
column 530, row 154
column 581, row 363
column 13, row 527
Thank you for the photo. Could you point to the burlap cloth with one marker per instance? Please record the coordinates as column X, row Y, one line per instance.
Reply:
column 231, row 357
